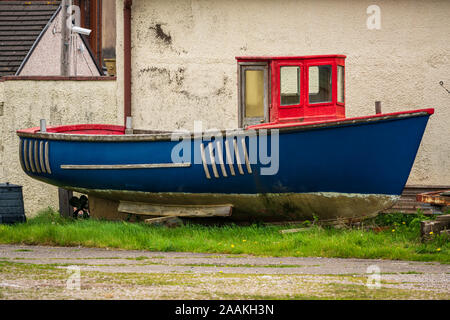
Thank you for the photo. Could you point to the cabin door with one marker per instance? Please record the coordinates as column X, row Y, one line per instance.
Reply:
column 253, row 96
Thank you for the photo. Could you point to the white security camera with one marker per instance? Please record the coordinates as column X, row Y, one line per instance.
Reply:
column 81, row 30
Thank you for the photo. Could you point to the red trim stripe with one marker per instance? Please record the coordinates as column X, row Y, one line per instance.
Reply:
column 277, row 125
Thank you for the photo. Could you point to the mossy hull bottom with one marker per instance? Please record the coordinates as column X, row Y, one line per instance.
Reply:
column 251, row 207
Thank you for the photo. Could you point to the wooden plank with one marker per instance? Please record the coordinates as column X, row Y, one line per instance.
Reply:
column 294, row 230
column 444, row 218
column 158, row 219
column 223, row 210
column 169, row 221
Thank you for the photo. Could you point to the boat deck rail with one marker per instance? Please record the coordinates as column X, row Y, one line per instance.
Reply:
column 101, row 132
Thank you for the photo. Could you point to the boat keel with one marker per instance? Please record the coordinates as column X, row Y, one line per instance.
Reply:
column 248, row 207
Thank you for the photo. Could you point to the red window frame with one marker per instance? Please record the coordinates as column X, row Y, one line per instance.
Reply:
column 278, row 66
column 343, row 84
column 333, row 82
column 303, row 111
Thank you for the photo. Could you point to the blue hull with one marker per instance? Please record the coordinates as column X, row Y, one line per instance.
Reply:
column 371, row 158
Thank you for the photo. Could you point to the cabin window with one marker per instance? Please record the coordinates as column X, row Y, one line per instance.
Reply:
column 290, row 85
column 290, row 89
column 340, row 84
column 254, row 93
column 320, row 84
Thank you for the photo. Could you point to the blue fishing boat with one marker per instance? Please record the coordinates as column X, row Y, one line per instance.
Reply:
column 294, row 156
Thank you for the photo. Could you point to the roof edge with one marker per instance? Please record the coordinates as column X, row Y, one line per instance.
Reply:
column 38, row 39
column 86, row 44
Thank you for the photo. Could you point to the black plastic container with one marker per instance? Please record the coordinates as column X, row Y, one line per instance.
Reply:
column 11, row 204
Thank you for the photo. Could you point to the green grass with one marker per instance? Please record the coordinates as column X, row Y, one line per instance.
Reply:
column 48, row 228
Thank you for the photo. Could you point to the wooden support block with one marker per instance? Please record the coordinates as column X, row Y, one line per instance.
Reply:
column 193, row 211
column 65, row 209
column 170, row 221
column 100, row 208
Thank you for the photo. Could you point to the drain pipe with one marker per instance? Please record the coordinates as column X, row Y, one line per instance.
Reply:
column 127, row 58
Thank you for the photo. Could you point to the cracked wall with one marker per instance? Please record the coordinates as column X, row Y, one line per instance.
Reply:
column 60, row 103
column 184, row 67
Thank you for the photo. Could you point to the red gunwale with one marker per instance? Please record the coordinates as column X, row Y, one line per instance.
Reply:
column 106, row 129
column 278, row 125
column 103, row 129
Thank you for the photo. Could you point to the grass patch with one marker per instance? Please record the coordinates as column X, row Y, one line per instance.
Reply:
column 138, row 258
column 401, row 241
column 245, row 265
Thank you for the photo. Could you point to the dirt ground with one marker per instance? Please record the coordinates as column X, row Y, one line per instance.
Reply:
column 39, row 272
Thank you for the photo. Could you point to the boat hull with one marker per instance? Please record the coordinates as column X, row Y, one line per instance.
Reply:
column 332, row 170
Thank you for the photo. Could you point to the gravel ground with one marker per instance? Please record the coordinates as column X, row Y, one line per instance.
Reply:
column 40, row 272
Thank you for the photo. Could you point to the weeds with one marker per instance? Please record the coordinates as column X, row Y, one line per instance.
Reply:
column 400, row 241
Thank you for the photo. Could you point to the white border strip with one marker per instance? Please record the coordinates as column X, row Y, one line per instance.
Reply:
column 30, row 155
column 238, row 158
column 221, row 160
column 247, row 162
column 205, row 165
column 47, row 161
column 35, row 157
column 41, row 156
column 213, row 160
column 124, row 166
column 229, row 160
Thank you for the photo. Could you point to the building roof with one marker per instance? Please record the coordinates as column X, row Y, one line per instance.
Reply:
column 21, row 23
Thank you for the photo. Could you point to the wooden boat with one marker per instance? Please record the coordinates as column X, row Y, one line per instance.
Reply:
column 321, row 163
